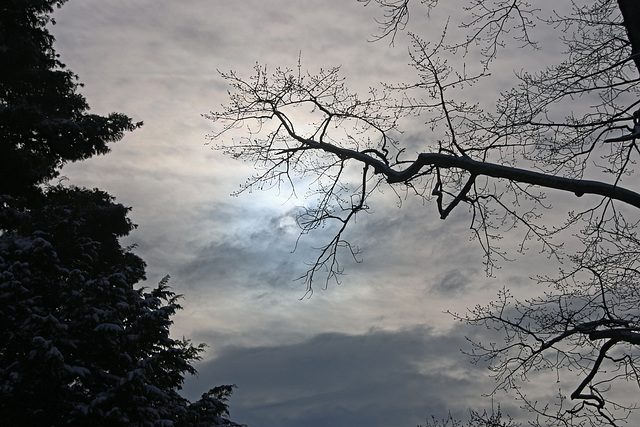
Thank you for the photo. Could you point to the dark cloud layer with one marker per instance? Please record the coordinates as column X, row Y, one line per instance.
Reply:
column 381, row 378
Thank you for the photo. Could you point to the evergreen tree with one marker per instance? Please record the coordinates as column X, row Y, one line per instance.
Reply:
column 79, row 344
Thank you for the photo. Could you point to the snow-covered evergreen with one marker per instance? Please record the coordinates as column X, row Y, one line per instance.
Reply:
column 80, row 342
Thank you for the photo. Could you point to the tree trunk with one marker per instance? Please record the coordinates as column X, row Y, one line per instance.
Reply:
column 631, row 15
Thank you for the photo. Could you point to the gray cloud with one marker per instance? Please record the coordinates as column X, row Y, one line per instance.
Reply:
column 452, row 283
column 380, row 378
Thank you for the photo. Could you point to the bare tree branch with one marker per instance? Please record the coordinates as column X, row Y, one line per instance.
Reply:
column 571, row 127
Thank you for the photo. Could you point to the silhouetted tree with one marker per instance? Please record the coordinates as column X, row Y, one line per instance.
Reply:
column 572, row 127
column 43, row 120
column 79, row 344
column 476, row 419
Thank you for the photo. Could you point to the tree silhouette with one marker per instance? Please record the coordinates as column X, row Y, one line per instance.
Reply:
column 571, row 127
column 476, row 419
column 79, row 345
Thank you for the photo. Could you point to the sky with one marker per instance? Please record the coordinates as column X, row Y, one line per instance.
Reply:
column 376, row 350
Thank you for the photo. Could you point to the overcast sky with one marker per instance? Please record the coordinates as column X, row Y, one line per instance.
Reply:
column 377, row 350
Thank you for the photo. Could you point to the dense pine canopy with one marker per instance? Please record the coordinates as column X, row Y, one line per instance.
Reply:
column 79, row 342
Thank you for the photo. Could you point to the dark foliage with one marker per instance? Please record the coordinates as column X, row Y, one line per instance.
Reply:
column 43, row 120
column 79, row 344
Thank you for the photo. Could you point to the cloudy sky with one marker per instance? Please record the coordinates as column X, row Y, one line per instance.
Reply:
column 377, row 350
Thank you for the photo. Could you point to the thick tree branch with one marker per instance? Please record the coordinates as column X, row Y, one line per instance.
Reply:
column 578, row 393
column 627, row 335
column 631, row 14
column 477, row 168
